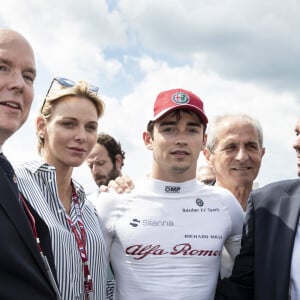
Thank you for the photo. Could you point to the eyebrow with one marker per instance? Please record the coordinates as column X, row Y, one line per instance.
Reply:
column 70, row 118
column 5, row 62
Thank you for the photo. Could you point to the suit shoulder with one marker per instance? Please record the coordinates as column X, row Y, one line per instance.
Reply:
column 290, row 186
column 274, row 190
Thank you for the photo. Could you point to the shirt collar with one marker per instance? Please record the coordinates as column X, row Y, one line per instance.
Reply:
column 41, row 166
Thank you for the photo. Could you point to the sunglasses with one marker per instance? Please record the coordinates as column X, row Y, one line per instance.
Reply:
column 58, row 83
column 209, row 181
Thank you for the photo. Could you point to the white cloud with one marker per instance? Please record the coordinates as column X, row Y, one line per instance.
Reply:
column 238, row 56
column 69, row 36
column 126, row 119
column 247, row 40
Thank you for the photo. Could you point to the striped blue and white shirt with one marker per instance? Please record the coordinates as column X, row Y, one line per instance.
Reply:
column 37, row 181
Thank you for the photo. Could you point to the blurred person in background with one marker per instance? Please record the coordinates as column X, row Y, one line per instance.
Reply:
column 106, row 159
column 105, row 162
column 206, row 175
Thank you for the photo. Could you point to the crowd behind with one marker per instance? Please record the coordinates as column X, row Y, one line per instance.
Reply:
column 182, row 232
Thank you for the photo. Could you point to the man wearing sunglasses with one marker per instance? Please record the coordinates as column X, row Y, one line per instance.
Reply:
column 24, row 271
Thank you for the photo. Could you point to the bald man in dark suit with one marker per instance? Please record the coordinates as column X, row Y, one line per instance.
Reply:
column 24, row 271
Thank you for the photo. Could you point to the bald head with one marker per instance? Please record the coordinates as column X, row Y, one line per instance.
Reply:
column 9, row 36
column 17, row 75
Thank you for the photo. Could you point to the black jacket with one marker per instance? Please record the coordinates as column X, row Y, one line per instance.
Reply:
column 22, row 270
column 262, row 269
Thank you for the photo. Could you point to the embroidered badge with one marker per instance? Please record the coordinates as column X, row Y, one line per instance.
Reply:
column 180, row 98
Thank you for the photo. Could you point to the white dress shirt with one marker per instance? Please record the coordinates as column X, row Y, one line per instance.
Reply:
column 295, row 276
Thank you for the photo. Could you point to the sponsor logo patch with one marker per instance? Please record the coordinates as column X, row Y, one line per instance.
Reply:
column 151, row 223
column 172, row 189
column 199, row 202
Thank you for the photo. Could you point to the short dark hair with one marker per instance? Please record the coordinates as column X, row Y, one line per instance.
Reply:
column 111, row 145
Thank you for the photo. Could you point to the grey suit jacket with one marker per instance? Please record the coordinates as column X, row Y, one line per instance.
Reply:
column 262, row 269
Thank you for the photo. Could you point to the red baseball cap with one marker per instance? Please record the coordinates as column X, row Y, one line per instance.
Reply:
column 168, row 101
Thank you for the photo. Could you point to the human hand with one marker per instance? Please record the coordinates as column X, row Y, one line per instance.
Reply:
column 122, row 184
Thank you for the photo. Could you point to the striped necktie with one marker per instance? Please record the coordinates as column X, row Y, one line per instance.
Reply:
column 9, row 172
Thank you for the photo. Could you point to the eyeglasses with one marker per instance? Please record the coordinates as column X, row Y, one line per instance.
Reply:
column 58, row 83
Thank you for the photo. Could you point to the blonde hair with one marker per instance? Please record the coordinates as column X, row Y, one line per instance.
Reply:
column 80, row 89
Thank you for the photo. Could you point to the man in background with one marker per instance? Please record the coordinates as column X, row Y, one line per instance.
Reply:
column 206, row 175
column 106, row 159
column 105, row 162
column 234, row 151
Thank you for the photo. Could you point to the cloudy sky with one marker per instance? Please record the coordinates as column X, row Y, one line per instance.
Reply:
column 238, row 56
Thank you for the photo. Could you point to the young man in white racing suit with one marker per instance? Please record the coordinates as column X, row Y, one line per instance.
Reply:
column 165, row 237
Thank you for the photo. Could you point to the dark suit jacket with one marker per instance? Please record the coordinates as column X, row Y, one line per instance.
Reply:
column 22, row 271
column 262, row 269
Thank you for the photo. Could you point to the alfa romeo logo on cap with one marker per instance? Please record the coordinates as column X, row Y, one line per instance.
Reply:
column 180, row 98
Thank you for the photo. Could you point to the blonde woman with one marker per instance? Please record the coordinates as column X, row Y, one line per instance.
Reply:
column 67, row 130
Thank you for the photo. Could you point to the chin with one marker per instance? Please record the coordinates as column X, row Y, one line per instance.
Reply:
column 76, row 164
column 101, row 182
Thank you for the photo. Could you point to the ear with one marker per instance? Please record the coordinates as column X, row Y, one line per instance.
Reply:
column 147, row 140
column 204, row 142
column 40, row 126
column 119, row 161
column 207, row 154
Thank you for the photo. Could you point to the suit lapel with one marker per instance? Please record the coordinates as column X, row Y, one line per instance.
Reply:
column 289, row 208
column 15, row 213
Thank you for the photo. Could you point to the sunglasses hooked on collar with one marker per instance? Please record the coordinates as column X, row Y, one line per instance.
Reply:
column 58, row 83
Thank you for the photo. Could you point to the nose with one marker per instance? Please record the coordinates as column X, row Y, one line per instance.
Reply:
column 242, row 154
column 16, row 82
column 181, row 138
column 94, row 169
column 80, row 135
column 296, row 144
